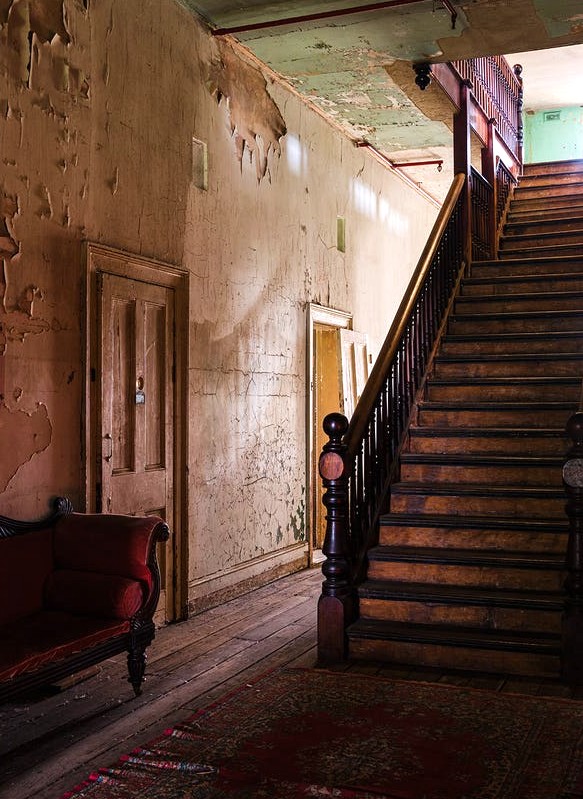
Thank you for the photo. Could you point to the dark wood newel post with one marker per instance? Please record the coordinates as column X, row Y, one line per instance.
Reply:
column 572, row 654
column 336, row 604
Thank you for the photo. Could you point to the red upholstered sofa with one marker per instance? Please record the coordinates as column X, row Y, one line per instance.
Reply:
column 75, row 589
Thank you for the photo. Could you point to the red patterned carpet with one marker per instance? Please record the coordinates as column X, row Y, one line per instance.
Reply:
column 297, row 734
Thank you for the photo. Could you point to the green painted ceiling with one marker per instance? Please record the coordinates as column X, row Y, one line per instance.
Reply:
column 351, row 66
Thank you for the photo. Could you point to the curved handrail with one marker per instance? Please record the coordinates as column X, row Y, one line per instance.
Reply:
column 388, row 351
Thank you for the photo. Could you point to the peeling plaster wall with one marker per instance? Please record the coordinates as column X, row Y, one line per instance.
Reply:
column 99, row 104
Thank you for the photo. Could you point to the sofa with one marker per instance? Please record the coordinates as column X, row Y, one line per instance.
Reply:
column 75, row 589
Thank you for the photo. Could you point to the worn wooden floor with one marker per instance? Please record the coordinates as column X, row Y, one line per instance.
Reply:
column 50, row 743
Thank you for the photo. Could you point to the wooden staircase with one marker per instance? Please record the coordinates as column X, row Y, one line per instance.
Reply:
column 470, row 565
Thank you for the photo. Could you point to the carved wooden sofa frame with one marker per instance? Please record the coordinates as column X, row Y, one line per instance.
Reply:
column 75, row 589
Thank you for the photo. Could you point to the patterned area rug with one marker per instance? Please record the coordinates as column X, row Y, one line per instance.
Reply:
column 297, row 734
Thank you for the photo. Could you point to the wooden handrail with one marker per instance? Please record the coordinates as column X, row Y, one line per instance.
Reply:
column 380, row 370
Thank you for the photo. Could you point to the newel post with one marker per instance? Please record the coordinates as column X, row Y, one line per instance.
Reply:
column 336, row 603
column 572, row 650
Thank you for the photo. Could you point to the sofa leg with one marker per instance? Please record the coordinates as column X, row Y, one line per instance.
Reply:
column 136, row 667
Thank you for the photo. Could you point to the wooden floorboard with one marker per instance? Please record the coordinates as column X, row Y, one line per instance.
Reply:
column 50, row 743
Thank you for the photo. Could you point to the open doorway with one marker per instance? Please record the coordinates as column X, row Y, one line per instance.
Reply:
column 337, row 370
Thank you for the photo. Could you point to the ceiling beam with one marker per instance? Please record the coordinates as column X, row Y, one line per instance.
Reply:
column 340, row 12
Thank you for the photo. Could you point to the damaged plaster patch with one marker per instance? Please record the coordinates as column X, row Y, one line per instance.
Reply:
column 18, row 321
column 256, row 122
column 24, row 435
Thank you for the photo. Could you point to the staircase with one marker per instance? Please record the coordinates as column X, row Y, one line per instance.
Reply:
column 469, row 568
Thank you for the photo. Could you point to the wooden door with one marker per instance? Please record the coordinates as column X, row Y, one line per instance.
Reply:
column 327, row 390
column 137, row 407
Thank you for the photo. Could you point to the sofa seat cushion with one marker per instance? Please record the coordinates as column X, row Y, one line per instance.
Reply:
column 49, row 636
column 92, row 594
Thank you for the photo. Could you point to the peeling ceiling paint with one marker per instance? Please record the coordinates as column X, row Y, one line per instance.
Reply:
column 343, row 64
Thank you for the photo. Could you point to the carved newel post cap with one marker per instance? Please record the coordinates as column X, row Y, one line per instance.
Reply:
column 335, row 425
column 575, row 428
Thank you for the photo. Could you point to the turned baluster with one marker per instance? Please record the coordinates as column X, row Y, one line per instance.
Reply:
column 572, row 652
column 336, row 604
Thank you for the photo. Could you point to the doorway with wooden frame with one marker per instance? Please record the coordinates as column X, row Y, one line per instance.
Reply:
column 136, row 401
column 337, row 370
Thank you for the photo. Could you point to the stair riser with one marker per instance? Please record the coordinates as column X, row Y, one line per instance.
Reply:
column 451, row 657
column 567, row 166
column 547, row 192
column 518, row 304
column 488, row 475
column 527, row 267
column 521, row 214
column 573, row 237
column 572, row 343
column 475, row 392
column 554, row 283
column 462, row 538
column 543, row 225
column 494, row 418
column 541, row 250
column 479, row 505
column 560, row 367
column 549, row 323
column 551, row 181
column 500, row 445
column 477, row 576
column 420, row 612
column 544, row 203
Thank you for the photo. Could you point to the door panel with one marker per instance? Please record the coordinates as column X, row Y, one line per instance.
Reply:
column 137, row 350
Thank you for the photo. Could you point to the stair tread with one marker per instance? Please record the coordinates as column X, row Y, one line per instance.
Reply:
column 554, row 380
column 568, row 335
column 552, row 314
column 501, row 597
column 472, row 459
column 465, row 405
column 512, row 356
column 473, row 489
column 528, row 295
column 463, row 557
column 543, row 221
column 549, row 259
column 486, row 431
column 516, row 640
column 520, row 524
column 535, row 278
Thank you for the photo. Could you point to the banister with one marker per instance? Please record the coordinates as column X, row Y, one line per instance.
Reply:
column 359, row 462
column 390, row 346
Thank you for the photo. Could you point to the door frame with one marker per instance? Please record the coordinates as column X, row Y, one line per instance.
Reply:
column 316, row 314
column 103, row 259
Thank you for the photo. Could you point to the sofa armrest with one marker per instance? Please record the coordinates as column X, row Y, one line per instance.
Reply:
column 109, row 544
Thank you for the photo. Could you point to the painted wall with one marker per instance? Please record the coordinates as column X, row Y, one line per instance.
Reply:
column 100, row 103
column 554, row 135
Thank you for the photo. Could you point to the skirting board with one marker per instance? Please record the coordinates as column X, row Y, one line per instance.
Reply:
column 219, row 587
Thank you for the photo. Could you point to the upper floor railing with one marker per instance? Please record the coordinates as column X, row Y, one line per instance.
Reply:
column 497, row 90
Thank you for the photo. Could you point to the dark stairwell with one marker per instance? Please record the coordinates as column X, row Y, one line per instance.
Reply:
column 470, row 565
